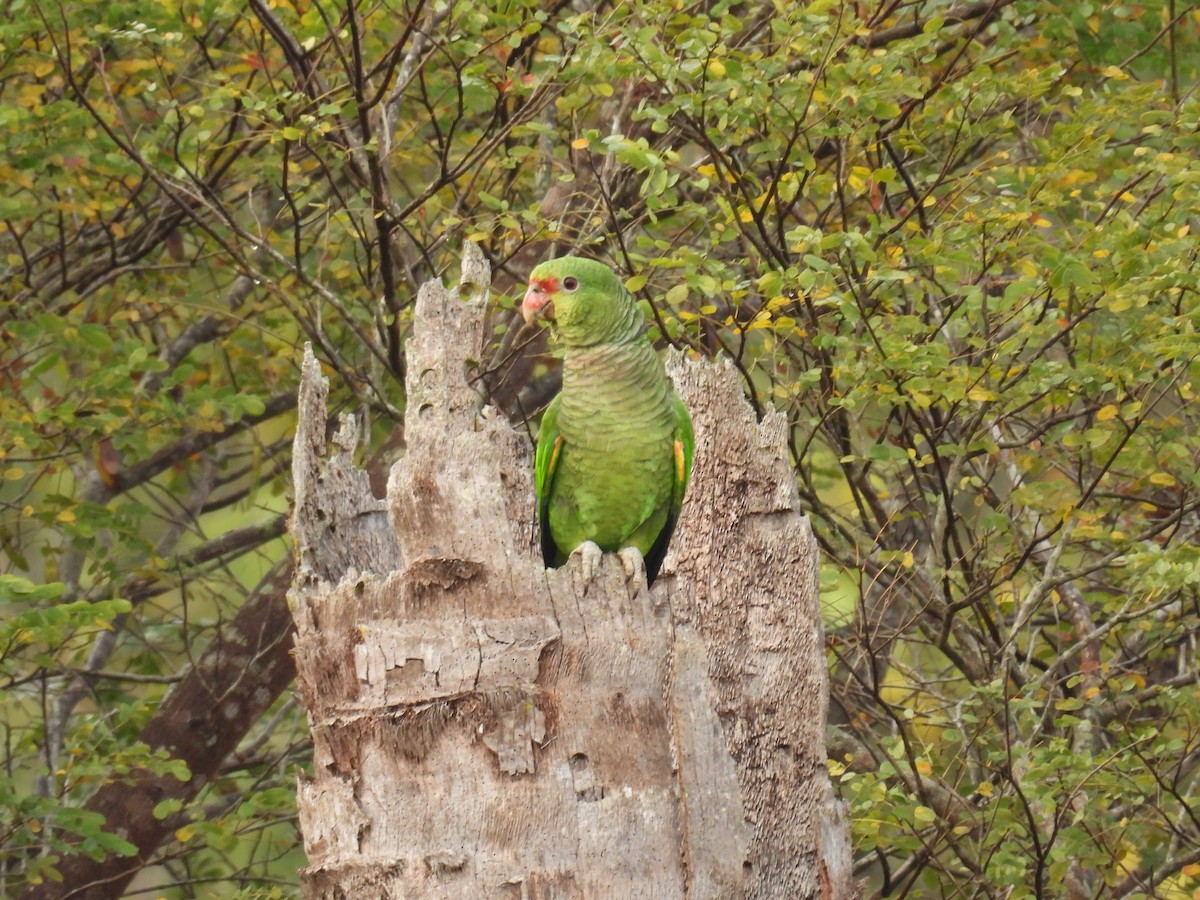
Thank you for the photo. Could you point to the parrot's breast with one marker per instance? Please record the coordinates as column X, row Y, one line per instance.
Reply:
column 607, row 497
column 614, row 479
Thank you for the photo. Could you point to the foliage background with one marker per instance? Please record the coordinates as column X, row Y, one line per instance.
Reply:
column 955, row 242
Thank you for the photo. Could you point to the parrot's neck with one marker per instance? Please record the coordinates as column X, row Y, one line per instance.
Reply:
column 623, row 381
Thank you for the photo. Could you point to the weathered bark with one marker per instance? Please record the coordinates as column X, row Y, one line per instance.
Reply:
column 484, row 727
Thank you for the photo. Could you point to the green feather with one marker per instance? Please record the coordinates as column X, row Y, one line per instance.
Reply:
column 545, row 462
column 615, row 448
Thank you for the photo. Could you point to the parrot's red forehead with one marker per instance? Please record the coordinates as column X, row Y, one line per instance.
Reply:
column 546, row 285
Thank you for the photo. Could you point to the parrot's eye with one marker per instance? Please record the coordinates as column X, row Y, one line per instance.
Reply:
column 570, row 283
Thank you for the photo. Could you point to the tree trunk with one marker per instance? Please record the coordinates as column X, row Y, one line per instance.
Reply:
column 485, row 727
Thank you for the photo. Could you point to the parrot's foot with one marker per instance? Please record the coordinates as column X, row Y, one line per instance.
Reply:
column 634, row 565
column 590, row 554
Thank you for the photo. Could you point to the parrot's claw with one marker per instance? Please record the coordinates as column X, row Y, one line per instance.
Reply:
column 590, row 554
column 634, row 564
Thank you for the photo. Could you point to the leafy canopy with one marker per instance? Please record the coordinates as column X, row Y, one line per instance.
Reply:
column 953, row 242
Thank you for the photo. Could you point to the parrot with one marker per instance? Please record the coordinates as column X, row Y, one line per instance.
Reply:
column 614, row 451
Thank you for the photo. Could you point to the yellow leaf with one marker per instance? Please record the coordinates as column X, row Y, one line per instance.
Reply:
column 929, row 201
column 579, row 144
column 716, row 68
column 184, row 834
column 986, row 789
column 924, row 815
column 924, row 767
column 981, row 394
column 30, row 96
column 1091, row 692
column 68, row 515
column 1130, row 858
column 1107, row 412
column 1114, row 72
column 1042, row 223
column 1128, row 197
column 636, row 283
column 1164, row 479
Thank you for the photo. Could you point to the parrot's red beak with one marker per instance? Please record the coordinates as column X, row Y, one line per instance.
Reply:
column 537, row 299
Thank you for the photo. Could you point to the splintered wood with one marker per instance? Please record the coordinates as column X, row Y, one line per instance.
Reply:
column 485, row 727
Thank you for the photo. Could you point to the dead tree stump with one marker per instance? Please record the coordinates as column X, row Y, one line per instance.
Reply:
column 485, row 727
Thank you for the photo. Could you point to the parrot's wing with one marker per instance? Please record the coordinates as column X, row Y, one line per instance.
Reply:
column 681, row 473
column 549, row 450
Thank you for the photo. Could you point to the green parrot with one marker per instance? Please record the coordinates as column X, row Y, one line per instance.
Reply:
column 614, row 453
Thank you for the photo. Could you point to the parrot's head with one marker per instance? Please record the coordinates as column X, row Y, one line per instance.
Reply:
column 584, row 301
